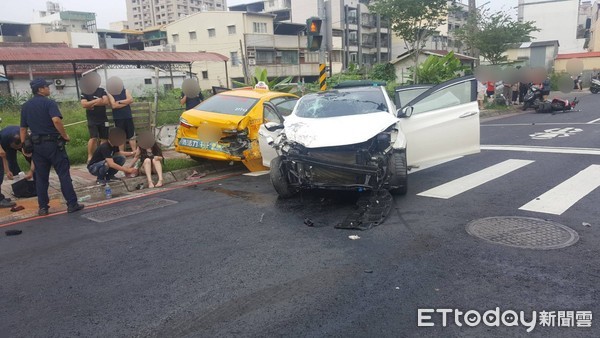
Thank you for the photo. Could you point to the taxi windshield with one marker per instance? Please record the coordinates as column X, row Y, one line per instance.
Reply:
column 227, row 104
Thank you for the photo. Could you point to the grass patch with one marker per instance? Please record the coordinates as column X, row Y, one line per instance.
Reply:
column 179, row 163
column 169, row 110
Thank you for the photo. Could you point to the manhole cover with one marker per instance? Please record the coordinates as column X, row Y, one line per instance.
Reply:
column 137, row 207
column 523, row 232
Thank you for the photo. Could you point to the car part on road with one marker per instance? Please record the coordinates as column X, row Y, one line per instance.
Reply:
column 523, row 232
column 372, row 210
column 13, row 232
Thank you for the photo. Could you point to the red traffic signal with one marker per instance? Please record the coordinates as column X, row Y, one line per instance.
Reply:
column 313, row 26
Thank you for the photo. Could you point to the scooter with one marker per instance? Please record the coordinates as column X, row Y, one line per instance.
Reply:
column 595, row 86
column 533, row 98
column 557, row 105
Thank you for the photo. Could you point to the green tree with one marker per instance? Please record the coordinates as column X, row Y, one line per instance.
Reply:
column 439, row 69
column 492, row 34
column 383, row 72
column 413, row 20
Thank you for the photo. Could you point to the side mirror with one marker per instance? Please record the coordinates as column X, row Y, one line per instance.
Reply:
column 405, row 112
column 273, row 126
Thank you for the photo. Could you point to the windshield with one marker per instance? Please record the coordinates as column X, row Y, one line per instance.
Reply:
column 342, row 103
column 227, row 104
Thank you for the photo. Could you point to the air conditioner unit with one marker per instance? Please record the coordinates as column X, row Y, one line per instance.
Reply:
column 59, row 83
column 252, row 62
column 278, row 54
column 251, row 54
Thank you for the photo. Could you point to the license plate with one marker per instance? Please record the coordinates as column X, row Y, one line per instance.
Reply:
column 191, row 143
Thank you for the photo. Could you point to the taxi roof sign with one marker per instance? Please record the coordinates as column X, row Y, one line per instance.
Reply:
column 261, row 85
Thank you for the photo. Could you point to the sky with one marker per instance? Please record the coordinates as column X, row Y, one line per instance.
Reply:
column 114, row 10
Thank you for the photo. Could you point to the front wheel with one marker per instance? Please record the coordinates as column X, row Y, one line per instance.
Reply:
column 398, row 180
column 526, row 105
column 595, row 90
column 279, row 179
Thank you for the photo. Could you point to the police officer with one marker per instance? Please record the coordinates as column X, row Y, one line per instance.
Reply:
column 42, row 117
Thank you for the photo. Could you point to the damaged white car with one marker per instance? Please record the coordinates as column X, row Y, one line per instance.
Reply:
column 354, row 138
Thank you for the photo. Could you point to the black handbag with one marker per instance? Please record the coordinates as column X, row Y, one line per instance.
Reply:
column 24, row 189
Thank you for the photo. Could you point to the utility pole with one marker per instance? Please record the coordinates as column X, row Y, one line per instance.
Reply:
column 322, row 10
column 244, row 63
column 473, row 17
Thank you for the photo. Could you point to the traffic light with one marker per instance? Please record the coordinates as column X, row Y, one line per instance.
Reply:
column 313, row 32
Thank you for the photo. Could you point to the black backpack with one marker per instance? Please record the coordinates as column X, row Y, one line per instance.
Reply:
column 24, row 189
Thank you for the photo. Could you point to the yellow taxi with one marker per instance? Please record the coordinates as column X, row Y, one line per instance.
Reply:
column 225, row 126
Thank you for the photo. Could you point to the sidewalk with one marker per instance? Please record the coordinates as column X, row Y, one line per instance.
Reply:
column 89, row 193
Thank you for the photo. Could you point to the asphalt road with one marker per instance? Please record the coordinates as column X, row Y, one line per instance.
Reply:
column 227, row 258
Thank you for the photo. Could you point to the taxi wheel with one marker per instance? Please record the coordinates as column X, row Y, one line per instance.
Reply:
column 279, row 179
column 399, row 173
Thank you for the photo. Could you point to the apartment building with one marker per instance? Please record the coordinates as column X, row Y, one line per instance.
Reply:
column 444, row 37
column 365, row 37
column 245, row 36
column 76, row 29
column 556, row 20
column 142, row 14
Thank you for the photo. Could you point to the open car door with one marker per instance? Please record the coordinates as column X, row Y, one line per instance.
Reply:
column 274, row 114
column 442, row 122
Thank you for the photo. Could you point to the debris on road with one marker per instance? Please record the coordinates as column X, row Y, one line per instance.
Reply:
column 353, row 237
column 17, row 208
column 195, row 175
column 261, row 217
column 585, row 224
column 309, row 222
column 372, row 210
column 13, row 232
column 368, row 271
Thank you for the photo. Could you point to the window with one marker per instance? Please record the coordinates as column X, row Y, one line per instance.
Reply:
column 205, row 74
column 212, row 33
column 175, row 38
column 226, row 104
column 343, row 103
column 260, row 27
column 167, row 87
column 289, row 57
column 270, row 115
column 148, row 81
column 193, row 36
column 453, row 95
column 285, row 105
column 231, row 29
column 235, row 59
column 264, row 57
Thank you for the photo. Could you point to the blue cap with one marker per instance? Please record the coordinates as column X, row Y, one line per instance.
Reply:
column 39, row 83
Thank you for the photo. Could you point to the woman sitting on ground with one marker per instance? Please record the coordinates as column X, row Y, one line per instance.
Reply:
column 151, row 157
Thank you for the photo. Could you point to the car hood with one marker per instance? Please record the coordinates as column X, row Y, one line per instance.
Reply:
column 336, row 131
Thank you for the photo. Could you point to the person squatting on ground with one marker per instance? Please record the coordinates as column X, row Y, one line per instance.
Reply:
column 43, row 118
column 123, row 118
column 10, row 144
column 107, row 160
column 97, row 121
column 151, row 157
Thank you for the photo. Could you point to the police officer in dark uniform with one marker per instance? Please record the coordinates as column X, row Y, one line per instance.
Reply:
column 42, row 117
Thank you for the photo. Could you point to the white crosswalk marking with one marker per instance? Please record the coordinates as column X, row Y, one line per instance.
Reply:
column 474, row 180
column 565, row 195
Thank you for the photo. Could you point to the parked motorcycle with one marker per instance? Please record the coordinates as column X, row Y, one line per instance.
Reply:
column 532, row 98
column 595, row 86
column 557, row 105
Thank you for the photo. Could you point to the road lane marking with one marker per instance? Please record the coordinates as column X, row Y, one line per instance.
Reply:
column 540, row 149
column 432, row 164
column 565, row 195
column 534, row 124
column 594, row 121
column 466, row 183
